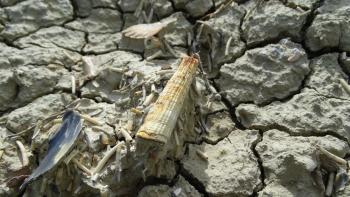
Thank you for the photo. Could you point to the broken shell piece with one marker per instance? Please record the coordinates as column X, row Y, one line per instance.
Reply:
column 141, row 31
column 81, row 166
column 202, row 155
column 332, row 156
column 149, row 99
column 126, row 135
column 90, row 119
column 228, row 45
column 137, row 111
column 329, row 188
column 70, row 156
column 88, row 67
column 104, row 139
column 73, row 84
column 161, row 119
column 345, row 85
column 104, row 160
column 24, row 156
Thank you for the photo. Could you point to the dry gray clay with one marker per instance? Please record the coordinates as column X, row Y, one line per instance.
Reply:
column 264, row 74
column 99, row 21
column 27, row 116
column 229, row 163
column 26, row 17
column 270, row 20
column 306, row 113
column 325, row 75
column 293, row 171
column 330, row 28
column 55, row 36
column 181, row 188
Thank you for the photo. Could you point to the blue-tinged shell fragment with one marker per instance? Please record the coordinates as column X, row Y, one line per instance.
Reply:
column 59, row 145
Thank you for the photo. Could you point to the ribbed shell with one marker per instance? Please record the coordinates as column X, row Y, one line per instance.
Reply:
column 161, row 119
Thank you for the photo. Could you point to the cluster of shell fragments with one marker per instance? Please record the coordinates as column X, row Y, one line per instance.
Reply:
column 133, row 139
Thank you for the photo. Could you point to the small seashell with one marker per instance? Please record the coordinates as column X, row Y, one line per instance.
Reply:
column 126, row 135
column 137, row 111
column 329, row 188
column 345, row 85
column 202, row 155
column 104, row 139
column 228, row 44
column 24, row 156
column 90, row 119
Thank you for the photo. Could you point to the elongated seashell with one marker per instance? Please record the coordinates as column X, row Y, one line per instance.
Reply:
column 161, row 119
column 24, row 156
column 345, row 85
column 146, row 30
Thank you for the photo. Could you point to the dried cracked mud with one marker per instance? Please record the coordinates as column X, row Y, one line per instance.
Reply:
column 271, row 93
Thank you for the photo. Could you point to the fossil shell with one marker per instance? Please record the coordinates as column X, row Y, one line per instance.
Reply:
column 161, row 119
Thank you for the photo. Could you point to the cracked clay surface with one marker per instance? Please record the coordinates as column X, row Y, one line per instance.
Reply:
column 273, row 88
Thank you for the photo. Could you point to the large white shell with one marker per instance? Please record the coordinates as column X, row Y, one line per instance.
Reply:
column 161, row 120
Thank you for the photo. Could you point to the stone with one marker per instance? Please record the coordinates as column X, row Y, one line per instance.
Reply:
column 325, row 75
column 289, row 169
column 196, row 11
column 35, row 55
column 181, row 188
column 130, row 19
column 51, row 37
column 8, row 88
column 180, row 4
column 219, row 125
column 176, row 33
column 105, row 3
column 303, row 4
column 106, row 84
column 42, row 107
column 231, row 168
column 101, row 20
column 264, row 74
column 161, row 8
column 36, row 81
column 271, row 20
column 330, row 28
column 82, row 8
column 28, row 16
column 102, row 43
column 128, row 5
column 307, row 113
column 5, row 3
